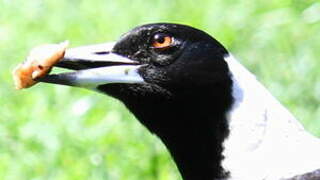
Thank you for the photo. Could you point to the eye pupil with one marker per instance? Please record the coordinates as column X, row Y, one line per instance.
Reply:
column 160, row 38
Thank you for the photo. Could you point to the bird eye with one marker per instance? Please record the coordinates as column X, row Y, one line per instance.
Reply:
column 162, row 41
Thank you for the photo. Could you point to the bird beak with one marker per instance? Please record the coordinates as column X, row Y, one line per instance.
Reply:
column 94, row 65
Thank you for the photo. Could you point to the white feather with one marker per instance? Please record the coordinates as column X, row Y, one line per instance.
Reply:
column 266, row 142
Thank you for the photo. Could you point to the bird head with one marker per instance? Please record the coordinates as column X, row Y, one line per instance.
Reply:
column 161, row 59
column 175, row 81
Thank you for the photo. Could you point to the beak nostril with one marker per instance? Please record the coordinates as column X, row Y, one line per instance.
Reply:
column 126, row 71
column 101, row 53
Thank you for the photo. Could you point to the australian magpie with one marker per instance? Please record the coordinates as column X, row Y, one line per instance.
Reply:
column 217, row 121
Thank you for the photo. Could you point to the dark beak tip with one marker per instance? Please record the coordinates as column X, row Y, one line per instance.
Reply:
column 62, row 79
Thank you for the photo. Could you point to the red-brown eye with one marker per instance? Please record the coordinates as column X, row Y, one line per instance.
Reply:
column 161, row 41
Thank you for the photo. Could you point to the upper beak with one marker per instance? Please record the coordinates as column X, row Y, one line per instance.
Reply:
column 95, row 65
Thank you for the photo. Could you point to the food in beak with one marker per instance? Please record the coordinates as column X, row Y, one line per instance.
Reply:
column 39, row 63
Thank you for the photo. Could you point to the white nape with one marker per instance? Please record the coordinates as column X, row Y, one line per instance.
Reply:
column 265, row 142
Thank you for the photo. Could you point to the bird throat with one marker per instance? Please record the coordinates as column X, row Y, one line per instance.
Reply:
column 192, row 124
column 193, row 129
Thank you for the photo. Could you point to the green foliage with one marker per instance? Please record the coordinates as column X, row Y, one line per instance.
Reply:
column 61, row 133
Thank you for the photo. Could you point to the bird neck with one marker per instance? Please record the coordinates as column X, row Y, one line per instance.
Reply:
column 197, row 148
column 193, row 129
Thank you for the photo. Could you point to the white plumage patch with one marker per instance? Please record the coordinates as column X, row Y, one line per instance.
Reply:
column 266, row 142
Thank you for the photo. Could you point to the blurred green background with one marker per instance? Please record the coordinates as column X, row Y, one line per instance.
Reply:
column 61, row 133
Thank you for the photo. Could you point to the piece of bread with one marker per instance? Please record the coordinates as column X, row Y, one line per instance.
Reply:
column 38, row 64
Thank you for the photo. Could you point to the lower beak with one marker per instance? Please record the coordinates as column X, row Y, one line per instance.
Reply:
column 95, row 65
